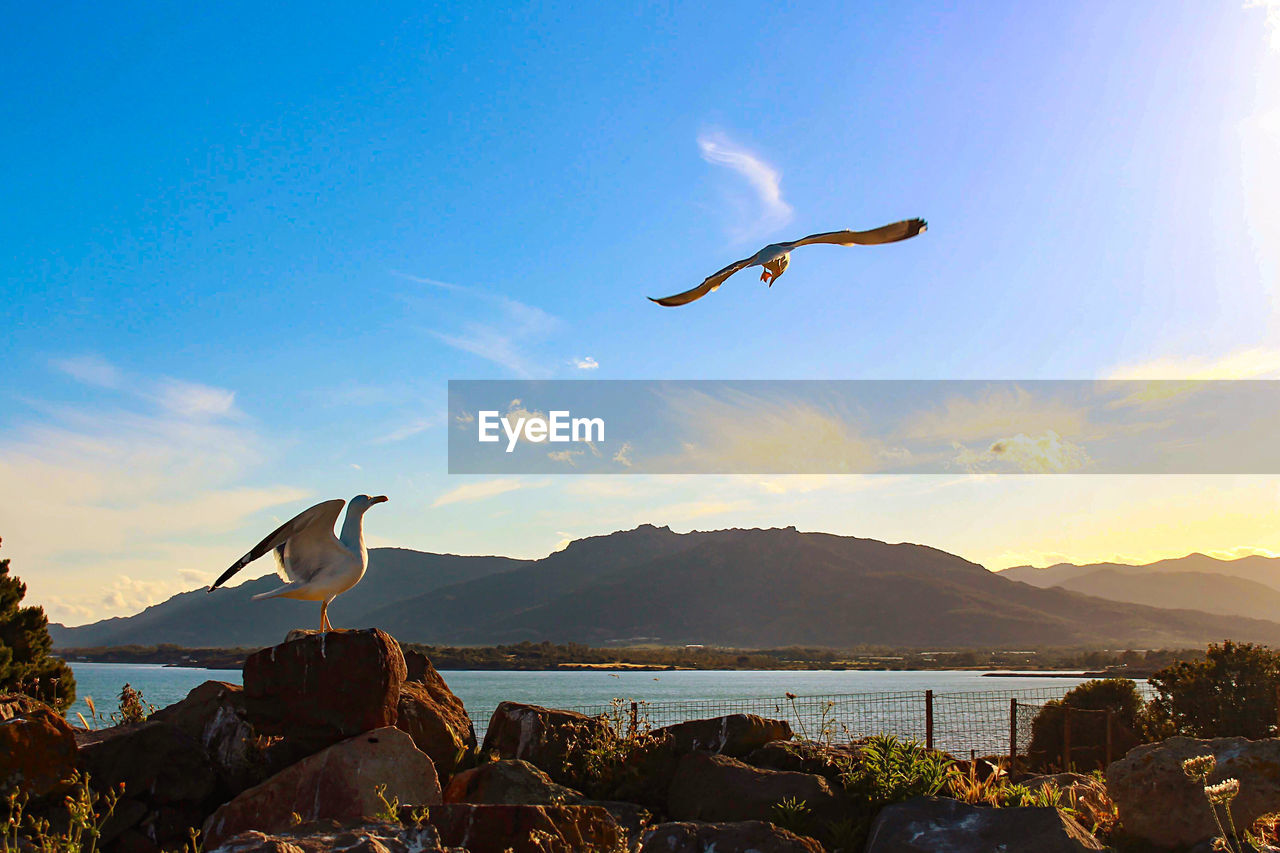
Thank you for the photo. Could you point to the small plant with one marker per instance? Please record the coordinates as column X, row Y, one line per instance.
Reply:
column 133, row 709
column 792, row 814
column 86, row 815
column 890, row 770
column 1198, row 769
column 389, row 810
column 828, row 725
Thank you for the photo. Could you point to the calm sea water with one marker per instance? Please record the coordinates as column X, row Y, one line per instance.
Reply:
column 482, row 691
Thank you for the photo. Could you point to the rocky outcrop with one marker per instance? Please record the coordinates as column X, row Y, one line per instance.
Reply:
column 438, row 724
column 719, row 788
column 736, row 735
column 214, row 715
column 359, row 838
column 1160, row 806
column 337, row 783
column 170, row 783
column 316, row 689
column 752, row 836
column 508, row 782
column 805, row 756
column 37, row 747
column 549, row 739
column 527, row 829
column 933, row 824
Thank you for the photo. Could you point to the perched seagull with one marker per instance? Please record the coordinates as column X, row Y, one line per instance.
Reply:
column 777, row 256
column 317, row 565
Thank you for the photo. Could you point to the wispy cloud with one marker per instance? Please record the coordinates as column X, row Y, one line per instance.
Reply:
column 180, row 397
column 433, row 282
column 1252, row 363
column 91, row 370
column 409, row 430
column 587, row 363
column 482, row 490
column 766, row 182
column 1046, row 453
column 1272, row 8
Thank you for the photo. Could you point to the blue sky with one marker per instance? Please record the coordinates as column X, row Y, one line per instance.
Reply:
column 247, row 246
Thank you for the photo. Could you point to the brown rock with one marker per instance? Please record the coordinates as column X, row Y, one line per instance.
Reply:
column 719, row 788
column 805, row 756
column 552, row 740
column 508, row 782
column 37, row 747
column 1158, row 804
column 336, row 783
column 156, row 761
column 319, row 838
column 527, row 829
column 736, row 734
column 932, row 824
column 438, row 724
column 320, row 688
column 214, row 714
column 751, row 836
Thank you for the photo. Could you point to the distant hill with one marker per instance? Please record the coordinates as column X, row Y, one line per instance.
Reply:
column 742, row 588
column 227, row 618
column 1212, row 593
column 1258, row 569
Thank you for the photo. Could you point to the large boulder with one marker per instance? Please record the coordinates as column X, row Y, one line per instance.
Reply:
column 719, row 788
column 214, row 715
column 552, row 740
column 37, row 747
column 1159, row 805
column 435, row 718
column 806, row 756
column 527, row 829
column 736, row 734
column 360, row 838
column 752, row 836
column 933, row 824
column 508, row 782
column 316, row 689
column 337, row 783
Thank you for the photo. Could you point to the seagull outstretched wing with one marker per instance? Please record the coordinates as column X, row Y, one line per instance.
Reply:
column 876, row 236
column 295, row 543
column 710, row 284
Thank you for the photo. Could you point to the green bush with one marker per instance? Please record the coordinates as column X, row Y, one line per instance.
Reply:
column 887, row 771
column 1089, row 703
column 25, row 664
column 1232, row 692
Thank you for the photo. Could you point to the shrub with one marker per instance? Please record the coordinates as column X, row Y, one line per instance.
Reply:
column 889, row 770
column 1232, row 692
column 25, row 663
column 1093, row 699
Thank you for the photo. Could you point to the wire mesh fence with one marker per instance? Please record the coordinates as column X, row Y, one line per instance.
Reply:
column 989, row 722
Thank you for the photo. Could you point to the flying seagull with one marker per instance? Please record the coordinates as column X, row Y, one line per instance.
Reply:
column 317, row 565
column 777, row 256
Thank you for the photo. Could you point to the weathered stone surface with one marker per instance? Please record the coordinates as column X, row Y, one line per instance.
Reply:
column 322, row 838
column 156, row 761
column 934, row 824
column 37, row 747
column 552, row 740
column 804, row 756
column 736, row 734
column 752, row 836
column 508, row 782
column 319, row 688
column 719, row 788
column 438, row 724
column 336, row 783
column 214, row 714
column 1158, row 804
column 527, row 829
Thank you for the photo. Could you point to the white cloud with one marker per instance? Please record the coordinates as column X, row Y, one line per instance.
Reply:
column 1251, row 363
column 718, row 149
column 193, row 400
column 565, row 456
column 91, row 370
column 587, row 363
column 1272, row 8
column 409, row 430
column 482, row 490
column 623, row 456
column 1047, row 453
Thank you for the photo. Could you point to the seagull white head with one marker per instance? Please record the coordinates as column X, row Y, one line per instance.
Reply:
column 361, row 503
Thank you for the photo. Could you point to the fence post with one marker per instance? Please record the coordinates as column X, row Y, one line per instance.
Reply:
column 1278, row 710
column 1066, row 738
column 1013, row 731
column 928, row 719
column 635, row 718
column 1110, row 714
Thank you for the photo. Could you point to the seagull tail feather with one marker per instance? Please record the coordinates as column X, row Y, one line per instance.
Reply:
column 278, row 592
